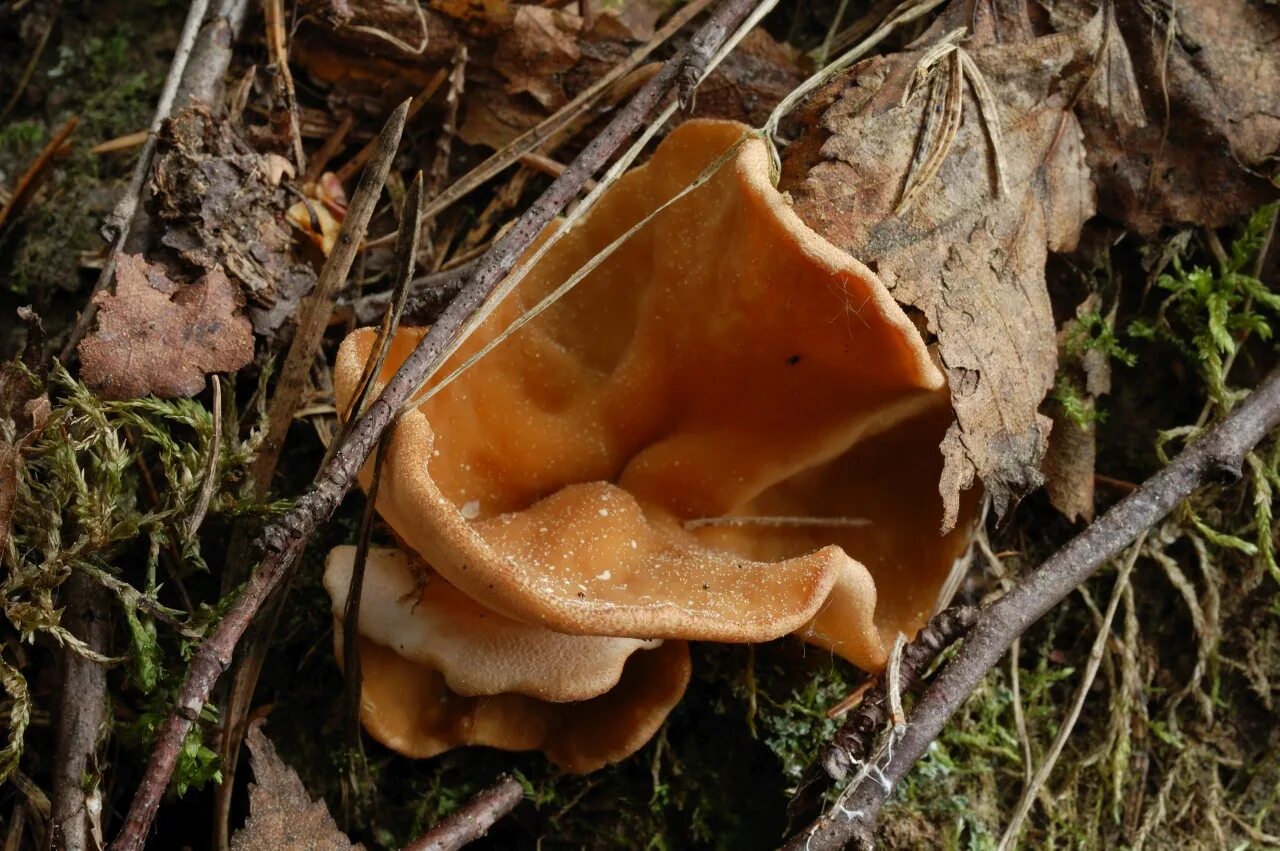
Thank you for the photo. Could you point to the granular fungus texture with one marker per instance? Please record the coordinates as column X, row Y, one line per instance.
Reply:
column 727, row 431
column 414, row 612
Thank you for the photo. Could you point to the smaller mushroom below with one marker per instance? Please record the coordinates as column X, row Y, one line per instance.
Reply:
column 425, row 620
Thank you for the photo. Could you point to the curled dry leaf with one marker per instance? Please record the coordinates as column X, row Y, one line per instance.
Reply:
column 952, row 170
column 282, row 816
column 155, row 336
column 1209, row 146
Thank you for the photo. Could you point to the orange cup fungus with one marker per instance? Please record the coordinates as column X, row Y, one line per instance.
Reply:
column 728, row 431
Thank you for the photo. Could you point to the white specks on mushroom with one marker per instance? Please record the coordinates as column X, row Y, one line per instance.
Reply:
column 606, row 576
column 470, row 510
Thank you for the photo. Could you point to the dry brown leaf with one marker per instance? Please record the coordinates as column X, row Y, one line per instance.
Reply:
column 282, row 816
column 155, row 336
column 1210, row 144
column 541, row 45
column 495, row 118
column 223, row 210
column 965, row 254
column 632, row 20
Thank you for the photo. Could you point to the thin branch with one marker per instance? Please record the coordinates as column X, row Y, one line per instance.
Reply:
column 474, row 819
column 316, row 310
column 852, row 743
column 283, row 541
column 1218, row 455
column 406, row 249
column 77, row 806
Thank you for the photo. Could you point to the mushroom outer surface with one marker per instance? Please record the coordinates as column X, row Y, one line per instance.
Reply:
column 407, row 707
column 422, row 618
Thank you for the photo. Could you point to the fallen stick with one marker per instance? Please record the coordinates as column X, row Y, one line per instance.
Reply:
column 1218, row 455
column 283, row 541
column 473, row 820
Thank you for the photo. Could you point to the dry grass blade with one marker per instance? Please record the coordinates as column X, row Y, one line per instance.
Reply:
column 1041, row 775
column 406, row 248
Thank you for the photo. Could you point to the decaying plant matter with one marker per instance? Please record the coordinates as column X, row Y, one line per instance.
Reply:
column 645, row 470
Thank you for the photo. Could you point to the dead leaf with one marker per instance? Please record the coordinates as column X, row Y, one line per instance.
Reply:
column 282, row 816
column 960, row 231
column 628, row 20
column 484, row 16
column 223, row 209
column 496, row 118
column 541, row 45
column 155, row 336
column 1207, row 154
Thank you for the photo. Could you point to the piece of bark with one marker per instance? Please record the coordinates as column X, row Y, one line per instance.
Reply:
column 76, row 820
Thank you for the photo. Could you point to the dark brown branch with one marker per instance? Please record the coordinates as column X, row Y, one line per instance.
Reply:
column 853, row 741
column 81, row 709
column 1219, row 455
column 473, row 820
column 283, row 541
column 430, row 295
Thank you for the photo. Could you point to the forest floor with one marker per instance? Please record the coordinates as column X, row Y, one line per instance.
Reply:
column 1177, row 741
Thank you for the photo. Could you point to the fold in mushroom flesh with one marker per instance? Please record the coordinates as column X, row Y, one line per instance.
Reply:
column 728, row 431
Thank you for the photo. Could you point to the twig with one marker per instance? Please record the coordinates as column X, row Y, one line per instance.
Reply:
column 852, row 742
column 1219, row 454
column 406, row 248
column 36, row 172
column 118, row 224
column 29, row 69
column 474, row 819
column 318, row 306
column 283, row 541
column 316, row 310
column 431, row 294
column 203, row 79
column 278, row 49
column 77, row 807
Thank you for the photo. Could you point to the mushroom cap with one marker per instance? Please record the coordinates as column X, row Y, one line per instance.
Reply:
column 426, row 620
column 407, row 707
column 723, row 356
